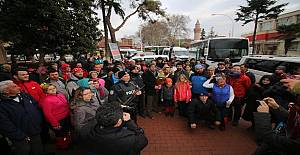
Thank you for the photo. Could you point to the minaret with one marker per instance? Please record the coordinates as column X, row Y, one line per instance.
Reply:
column 197, row 31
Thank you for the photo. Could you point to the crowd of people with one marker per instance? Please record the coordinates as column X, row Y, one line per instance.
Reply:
column 95, row 102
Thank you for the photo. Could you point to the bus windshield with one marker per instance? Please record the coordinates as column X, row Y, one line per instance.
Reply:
column 234, row 49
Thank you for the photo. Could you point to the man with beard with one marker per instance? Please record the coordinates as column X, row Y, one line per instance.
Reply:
column 77, row 74
column 197, row 79
column 279, row 74
column 179, row 71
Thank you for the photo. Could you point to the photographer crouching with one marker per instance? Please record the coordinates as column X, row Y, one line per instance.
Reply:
column 273, row 143
column 114, row 134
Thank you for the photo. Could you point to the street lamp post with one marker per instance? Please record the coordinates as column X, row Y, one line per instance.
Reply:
column 232, row 21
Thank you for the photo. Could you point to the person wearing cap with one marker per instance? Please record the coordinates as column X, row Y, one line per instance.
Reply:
column 115, row 133
column 124, row 91
column 77, row 74
column 279, row 74
column 201, row 108
column 20, row 118
column 197, row 79
column 65, row 71
column 222, row 69
column 137, row 78
column 167, row 97
column 222, row 96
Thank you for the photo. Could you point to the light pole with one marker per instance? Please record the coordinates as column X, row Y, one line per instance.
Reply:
column 232, row 26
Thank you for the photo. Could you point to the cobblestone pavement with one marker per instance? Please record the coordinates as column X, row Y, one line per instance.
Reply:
column 171, row 136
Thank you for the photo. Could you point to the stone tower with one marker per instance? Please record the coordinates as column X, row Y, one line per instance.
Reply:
column 197, row 31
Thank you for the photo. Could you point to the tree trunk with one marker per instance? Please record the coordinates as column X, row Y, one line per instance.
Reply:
column 41, row 58
column 105, row 29
column 3, row 59
column 113, row 35
column 254, row 34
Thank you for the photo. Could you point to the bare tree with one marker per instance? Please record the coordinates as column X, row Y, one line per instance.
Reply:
column 178, row 27
column 155, row 33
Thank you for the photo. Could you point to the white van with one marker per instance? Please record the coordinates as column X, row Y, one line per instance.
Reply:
column 179, row 53
column 149, row 58
column 261, row 65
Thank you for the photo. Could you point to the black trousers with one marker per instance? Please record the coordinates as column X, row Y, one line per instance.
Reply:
column 32, row 147
column 237, row 105
column 66, row 127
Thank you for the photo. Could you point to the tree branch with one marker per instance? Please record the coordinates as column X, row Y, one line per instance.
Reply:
column 127, row 17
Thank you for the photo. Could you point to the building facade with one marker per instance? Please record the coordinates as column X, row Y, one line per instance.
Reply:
column 268, row 40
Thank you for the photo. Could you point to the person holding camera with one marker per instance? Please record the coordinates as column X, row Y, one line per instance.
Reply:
column 114, row 134
column 271, row 142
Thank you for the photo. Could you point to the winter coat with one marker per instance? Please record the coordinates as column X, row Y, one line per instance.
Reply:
column 197, row 110
column 72, row 84
column 20, row 119
column 149, row 79
column 127, row 139
column 167, row 93
column 240, row 85
column 32, row 88
column 55, row 108
column 197, row 83
column 84, row 113
column 182, row 92
column 272, row 143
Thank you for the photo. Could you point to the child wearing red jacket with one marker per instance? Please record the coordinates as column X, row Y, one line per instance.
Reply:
column 182, row 94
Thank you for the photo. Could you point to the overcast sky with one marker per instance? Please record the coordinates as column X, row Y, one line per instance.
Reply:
column 202, row 10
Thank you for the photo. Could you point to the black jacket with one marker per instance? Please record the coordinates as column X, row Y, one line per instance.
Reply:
column 125, row 140
column 197, row 110
column 272, row 143
column 150, row 81
column 20, row 119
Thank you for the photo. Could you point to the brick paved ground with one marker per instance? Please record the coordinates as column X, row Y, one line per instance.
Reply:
column 171, row 136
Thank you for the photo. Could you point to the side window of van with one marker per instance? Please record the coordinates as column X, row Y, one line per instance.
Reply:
column 291, row 67
column 267, row 65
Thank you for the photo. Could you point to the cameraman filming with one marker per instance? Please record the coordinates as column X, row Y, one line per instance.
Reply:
column 271, row 142
column 114, row 134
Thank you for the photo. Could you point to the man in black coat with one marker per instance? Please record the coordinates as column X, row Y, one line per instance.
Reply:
column 114, row 134
column 149, row 78
column 201, row 108
column 20, row 119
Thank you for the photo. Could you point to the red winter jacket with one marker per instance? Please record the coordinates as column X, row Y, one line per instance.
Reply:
column 240, row 85
column 32, row 88
column 55, row 108
column 182, row 92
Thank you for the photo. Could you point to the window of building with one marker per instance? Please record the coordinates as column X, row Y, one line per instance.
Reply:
column 267, row 26
column 295, row 46
column 285, row 21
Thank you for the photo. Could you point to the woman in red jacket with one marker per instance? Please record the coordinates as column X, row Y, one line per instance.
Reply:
column 56, row 110
column 182, row 94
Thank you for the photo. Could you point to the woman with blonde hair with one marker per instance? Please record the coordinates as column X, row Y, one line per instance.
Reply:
column 182, row 94
column 56, row 111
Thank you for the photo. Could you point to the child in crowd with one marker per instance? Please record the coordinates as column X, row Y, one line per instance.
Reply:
column 182, row 94
column 167, row 93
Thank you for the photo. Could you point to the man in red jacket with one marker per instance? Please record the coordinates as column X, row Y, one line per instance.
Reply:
column 240, row 83
column 21, row 78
